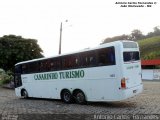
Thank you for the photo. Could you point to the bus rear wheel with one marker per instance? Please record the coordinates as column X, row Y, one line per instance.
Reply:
column 66, row 96
column 79, row 97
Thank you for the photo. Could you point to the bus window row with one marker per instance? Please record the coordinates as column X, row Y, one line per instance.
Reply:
column 94, row 58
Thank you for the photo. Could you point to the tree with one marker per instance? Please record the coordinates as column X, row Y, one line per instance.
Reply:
column 156, row 31
column 136, row 35
column 14, row 49
column 121, row 37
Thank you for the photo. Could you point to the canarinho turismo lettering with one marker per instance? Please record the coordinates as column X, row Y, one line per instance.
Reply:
column 60, row 75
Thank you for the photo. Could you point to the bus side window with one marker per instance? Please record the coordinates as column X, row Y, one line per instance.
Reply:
column 59, row 64
column 92, row 59
column 52, row 66
column 43, row 66
column 33, row 67
column 74, row 61
column 77, row 62
column 24, row 68
column 48, row 65
column 83, row 59
column 106, row 56
column 87, row 59
column 55, row 64
column 70, row 62
column 101, row 57
column 65, row 63
column 111, row 56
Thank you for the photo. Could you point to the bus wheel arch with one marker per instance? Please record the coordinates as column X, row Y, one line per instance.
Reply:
column 66, row 96
column 24, row 93
column 79, row 96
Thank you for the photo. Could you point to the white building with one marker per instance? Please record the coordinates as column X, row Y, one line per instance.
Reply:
column 151, row 69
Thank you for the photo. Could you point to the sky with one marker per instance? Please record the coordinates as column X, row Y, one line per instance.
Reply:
column 89, row 21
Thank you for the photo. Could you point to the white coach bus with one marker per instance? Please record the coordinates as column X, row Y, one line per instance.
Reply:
column 109, row 72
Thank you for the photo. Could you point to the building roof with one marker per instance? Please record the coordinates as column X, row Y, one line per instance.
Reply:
column 150, row 62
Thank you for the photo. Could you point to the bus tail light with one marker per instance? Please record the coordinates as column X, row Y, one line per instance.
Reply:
column 123, row 83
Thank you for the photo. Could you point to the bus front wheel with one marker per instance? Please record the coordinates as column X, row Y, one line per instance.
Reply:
column 66, row 96
column 24, row 94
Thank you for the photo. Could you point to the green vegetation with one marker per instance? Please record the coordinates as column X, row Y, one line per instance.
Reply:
column 134, row 36
column 5, row 77
column 150, row 48
column 14, row 49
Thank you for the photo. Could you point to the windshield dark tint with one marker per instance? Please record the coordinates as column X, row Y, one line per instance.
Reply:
column 130, row 56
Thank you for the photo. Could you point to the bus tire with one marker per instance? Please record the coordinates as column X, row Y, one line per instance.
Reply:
column 79, row 97
column 24, row 94
column 66, row 96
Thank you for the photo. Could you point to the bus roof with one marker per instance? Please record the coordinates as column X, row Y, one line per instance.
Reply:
column 84, row 50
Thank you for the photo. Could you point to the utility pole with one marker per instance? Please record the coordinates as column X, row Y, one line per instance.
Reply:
column 60, row 39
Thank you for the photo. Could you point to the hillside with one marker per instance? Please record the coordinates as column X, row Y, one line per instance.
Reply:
column 150, row 48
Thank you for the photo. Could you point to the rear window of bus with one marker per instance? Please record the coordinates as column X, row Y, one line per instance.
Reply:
column 131, row 56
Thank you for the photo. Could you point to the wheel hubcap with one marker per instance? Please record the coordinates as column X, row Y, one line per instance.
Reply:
column 66, row 96
column 80, row 97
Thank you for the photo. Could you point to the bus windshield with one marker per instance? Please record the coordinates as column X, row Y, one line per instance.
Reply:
column 131, row 56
